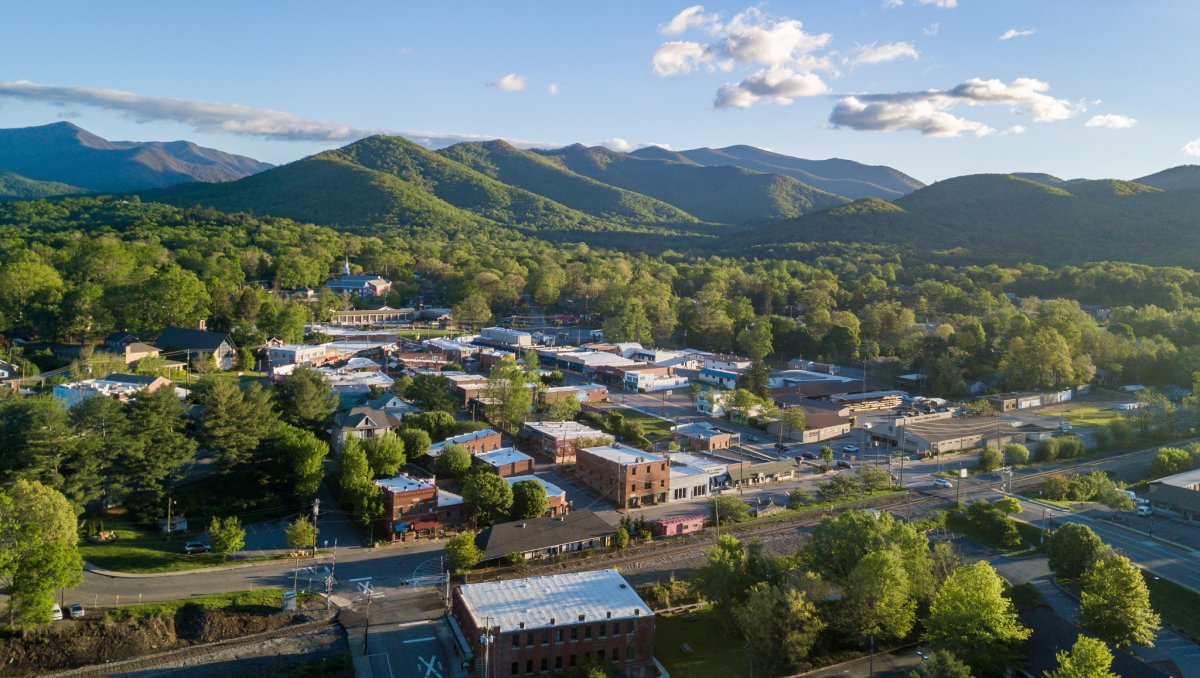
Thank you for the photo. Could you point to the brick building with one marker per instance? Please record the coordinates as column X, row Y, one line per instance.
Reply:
column 476, row 442
column 626, row 476
column 550, row 624
column 557, row 441
column 505, row 462
column 587, row 393
column 410, row 507
column 556, row 497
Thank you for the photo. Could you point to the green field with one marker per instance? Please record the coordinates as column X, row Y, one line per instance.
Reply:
column 714, row 652
column 140, row 548
column 654, row 427
column 1090, row 415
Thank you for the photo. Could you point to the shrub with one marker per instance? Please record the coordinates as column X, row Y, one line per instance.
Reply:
column 989, row 459
column 1070, row 447
column 1016, row 454
column 1056, row 487
column 1046, row 450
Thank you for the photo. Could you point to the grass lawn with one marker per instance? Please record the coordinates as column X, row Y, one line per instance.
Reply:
column 1178, row 606
column 1090, row 415
column 234, row 493
column 654, row 427
column 261, row 601
column 140, row 548
column 238, row 377
column 714, row 651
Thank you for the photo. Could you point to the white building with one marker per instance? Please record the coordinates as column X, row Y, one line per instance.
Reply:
column 299, row 354
column 506, row 336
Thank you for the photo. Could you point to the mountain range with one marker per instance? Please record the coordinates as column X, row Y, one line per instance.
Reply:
column 736, row 200
column 65, row 154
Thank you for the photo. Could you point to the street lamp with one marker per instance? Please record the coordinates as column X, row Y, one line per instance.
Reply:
column 1044, row 512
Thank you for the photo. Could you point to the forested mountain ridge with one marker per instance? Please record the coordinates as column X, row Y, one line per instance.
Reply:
column 724, row 194
column 847, row 178
column 1009, row 218
column 538, row 174
column 64, row 153
column 13, row 186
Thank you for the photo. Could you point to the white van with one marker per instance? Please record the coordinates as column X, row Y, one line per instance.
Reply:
column 56, row 613
column 1145, row 510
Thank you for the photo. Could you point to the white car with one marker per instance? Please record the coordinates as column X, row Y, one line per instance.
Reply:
column 1145, row 510
column 849, row 448
column 942, row 482
column 56, row 612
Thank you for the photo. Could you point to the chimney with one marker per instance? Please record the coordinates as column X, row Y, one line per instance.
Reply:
column 522, row 624
column 637, row 611
column 608, row 615
column 582, row 616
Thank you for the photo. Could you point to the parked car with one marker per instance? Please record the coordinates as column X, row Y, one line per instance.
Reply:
column 942, row 482
column 196, row 547
column 842, row 463
column 809, row 455
column 55, row 612
column 75, row 610
column 750, row 439
column 849, row 448
column 1145, row 510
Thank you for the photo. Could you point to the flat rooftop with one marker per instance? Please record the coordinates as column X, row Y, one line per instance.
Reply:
column 623, row 455
column 550, row 600
column 565, row 429
column 403, row 483
column 502, row 456
column 552, row 490
column 1189, row 480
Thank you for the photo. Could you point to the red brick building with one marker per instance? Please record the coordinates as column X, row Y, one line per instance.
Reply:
column 557, row 441
column 556, row 497
column 547, row 625
column 626, row 476
column 410, row 508
column 587, row 393
column 476, row 442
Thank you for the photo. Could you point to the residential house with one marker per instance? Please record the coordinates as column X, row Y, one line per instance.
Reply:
column 702, row 435
column 196, row 345
column 363, row 423
column 551, row 624
column 626, row 476
column 393, row 405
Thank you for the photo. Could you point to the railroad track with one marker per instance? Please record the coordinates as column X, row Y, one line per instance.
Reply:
column 171, row 656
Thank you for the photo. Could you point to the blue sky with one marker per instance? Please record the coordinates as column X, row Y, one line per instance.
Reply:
column 1095, row 88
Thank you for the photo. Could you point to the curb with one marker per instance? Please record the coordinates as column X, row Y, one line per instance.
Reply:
column 1110, row 523
column 88, row 567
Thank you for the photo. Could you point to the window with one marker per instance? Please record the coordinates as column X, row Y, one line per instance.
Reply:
column 558, row 663
column 516, row 641
column 528, row 666
column 545, row 663
column 587, row 632
column 635, row 470
column 529, row 639
column 574, row 637
column 662, row 483
column 515, row 669
column 629, row 628
column 628, row 653
column 558, row 636
column 603, row 631
column 599, row 655
column 572, row 662
column 664, row 467
column 545, row 637
column 649, row 485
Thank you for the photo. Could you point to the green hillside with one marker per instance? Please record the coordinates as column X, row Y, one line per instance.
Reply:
column 13, row 186
column 730, row 195
column 537, row 174
column 322, row 189
column 1181, row 178
column 1007, row 218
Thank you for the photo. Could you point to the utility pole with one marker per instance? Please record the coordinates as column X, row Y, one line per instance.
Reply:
column 316, row 510
column 170, row 503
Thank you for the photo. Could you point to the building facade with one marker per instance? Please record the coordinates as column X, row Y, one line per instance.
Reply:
column 626, row 476
column 506, row 462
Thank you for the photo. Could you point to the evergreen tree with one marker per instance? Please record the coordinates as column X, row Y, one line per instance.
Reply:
column 306, row 399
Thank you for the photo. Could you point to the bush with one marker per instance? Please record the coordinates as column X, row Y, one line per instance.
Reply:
column 1046, row 450
column 730, row 509
column 990, row 459
column 993, row 524
column 1122, row 432
column 1172, row 460
column 1070, row 447
column 1016, row 454
column 1056, row 487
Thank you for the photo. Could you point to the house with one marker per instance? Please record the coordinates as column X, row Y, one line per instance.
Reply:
column 676, row 525
column 544, row 537
column 556, row 497
column 702, row 435
column 362, row 286
column 476, row 442
column 362, row 423
column 116, row 342
column 194, row 345
column 766, row 472
column 121, row 387
column 393, row 405
column 505, row 462
column 557, row 441
column 626, row 476
column 551, row 624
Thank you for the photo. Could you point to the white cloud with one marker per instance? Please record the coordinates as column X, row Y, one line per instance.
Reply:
column 1014, row 33
column 931, row 30
column 877, row 54
column 679, row 57
column 1016, row 129
column 552, row 88
column 692, row 17
column 929, row 112
column 779, row 56
column 510, row 83
column 926, row 115
column 1111, row 121
column 943, row 4
column 777, row 85
column 1192, row 148
column 217, row 118
column 618, row 144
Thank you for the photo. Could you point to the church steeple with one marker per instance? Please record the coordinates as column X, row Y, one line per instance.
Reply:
column 346, row 266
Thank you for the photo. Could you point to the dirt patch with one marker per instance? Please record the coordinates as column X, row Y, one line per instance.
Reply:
column 73, row 643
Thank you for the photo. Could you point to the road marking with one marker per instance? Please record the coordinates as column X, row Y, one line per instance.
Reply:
column 386, row 662
column 430, row 672
column 419, row 640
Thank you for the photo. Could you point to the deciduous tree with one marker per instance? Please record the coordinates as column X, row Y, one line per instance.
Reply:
column 971, row 618
column 528, row 499
column 1115, row 603
column 487, row 496
column 227, row 535
column 1088, row 658
column 461, row 552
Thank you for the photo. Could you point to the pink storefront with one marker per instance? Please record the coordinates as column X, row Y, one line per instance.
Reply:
column 669, row 527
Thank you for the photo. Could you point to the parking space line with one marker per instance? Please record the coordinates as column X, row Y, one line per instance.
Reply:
column 386, row 662
column 419, row 640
